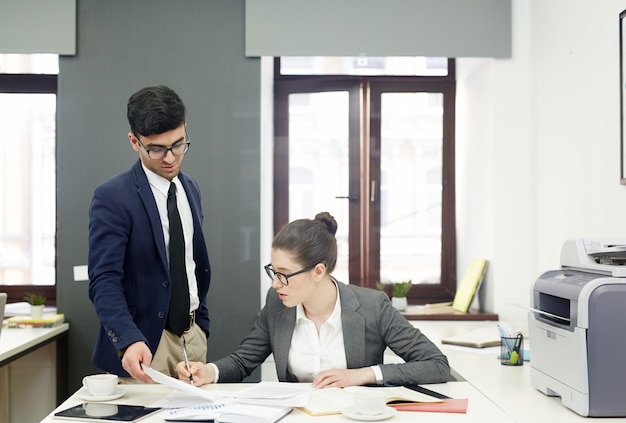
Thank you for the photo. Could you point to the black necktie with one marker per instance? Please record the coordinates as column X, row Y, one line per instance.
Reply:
column 178, row 316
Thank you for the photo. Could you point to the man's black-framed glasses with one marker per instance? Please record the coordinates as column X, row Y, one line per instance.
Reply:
column 157, row 153
column 282, row 278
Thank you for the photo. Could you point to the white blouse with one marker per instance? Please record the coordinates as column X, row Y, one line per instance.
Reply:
column 310, row 353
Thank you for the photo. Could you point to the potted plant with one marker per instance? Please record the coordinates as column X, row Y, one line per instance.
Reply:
column 400, row 289
column 398, row 292
column 36, row 302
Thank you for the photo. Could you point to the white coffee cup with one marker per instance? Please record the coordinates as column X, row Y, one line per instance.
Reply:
column 100, row 385
column 369, row 403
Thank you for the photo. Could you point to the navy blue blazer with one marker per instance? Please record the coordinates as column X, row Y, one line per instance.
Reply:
column 129, row 280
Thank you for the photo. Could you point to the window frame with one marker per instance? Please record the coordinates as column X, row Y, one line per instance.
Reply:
column 29, row 84
column 420, row 293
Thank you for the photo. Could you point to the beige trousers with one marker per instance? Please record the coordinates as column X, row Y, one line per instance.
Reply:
column 170, row 352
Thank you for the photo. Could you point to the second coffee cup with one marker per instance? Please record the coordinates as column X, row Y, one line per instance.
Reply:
column 370, row 403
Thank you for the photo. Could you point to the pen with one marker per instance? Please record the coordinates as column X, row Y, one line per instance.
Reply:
column 187, row 361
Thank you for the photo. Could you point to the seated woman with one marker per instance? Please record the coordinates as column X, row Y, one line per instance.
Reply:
column 323, row 331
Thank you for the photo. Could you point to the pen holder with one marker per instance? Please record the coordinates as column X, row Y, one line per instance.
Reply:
column 511, row 351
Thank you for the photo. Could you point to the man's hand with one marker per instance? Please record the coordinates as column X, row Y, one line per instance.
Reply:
column 202, row 373
column 340, row 378
column 134, row 356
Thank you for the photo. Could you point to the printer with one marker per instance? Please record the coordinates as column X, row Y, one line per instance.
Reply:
column 577, row 328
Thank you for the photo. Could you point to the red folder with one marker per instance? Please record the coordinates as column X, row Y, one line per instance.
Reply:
column 448, row 405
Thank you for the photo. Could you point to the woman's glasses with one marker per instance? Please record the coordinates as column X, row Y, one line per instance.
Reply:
column 282, row 278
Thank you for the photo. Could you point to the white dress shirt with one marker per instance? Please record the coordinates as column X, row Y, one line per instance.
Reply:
column 160, row 186
column 310, row 353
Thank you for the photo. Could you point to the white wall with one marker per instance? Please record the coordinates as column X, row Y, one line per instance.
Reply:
column 538, row 157
column 538, row 146
column 267, row 171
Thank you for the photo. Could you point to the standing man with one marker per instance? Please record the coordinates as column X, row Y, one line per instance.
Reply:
column 148, row 277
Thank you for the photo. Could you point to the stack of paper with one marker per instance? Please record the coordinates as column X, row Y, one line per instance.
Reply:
column 46, row 321
column 265, row 402
column 227, row 413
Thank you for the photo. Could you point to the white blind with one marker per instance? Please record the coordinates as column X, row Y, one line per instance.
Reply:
column 433, row 28
column 38, row 26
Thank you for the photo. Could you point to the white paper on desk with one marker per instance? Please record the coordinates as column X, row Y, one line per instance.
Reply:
column 178, row 399
column 178, row 384
column 228, row 412
column 536, row 310
column 288, row 394
column 264, row 393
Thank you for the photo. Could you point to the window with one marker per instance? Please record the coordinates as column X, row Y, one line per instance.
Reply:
column 28, row 87
column 371, row 140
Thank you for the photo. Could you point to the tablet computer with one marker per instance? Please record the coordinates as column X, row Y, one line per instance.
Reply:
column 102, row 412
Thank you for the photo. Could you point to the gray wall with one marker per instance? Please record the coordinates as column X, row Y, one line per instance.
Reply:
column 442, row 28
column 197, row 48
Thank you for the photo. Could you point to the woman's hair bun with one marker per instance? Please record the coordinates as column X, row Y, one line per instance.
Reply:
column 328, row 221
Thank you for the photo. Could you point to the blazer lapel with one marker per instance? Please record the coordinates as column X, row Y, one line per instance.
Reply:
column 353, row 328
column 285, row 324
column 147, row 198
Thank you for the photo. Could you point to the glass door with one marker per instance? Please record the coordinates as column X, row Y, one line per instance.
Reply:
column 319, row 163
column 372, row 154
column 410, row 186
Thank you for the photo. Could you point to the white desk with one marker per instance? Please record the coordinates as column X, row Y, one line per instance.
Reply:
column 508, row 387
column 14, row 343
column 33, row 363
column 480, row 409
column 496, row 393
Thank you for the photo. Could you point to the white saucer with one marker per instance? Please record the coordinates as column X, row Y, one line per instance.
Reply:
column 352, row 413
column 84, row 394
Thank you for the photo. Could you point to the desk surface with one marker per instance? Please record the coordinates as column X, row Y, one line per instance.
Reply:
column 496, row 393
column 16, row 342
column 480, row 409
column 508, row 387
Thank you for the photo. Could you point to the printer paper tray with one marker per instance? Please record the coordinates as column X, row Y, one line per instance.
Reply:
column 559, row 353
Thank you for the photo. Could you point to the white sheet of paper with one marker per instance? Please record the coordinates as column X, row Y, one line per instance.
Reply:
column 556, row 316
column 275, row 393
column 264, row 393
column 178, row 384
column 178, row 399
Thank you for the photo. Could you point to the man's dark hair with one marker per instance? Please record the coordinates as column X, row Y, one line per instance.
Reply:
column 154, row 110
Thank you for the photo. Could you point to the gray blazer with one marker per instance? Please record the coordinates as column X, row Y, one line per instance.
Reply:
column 370, row 325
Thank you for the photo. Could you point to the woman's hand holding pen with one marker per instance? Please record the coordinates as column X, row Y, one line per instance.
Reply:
column 201, row 373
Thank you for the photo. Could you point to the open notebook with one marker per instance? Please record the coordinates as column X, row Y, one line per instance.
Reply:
column 3, row 303
column 332, row 400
